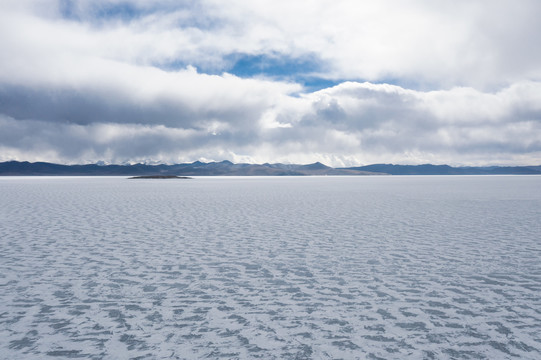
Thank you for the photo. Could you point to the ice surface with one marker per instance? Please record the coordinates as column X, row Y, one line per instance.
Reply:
column 273, row 268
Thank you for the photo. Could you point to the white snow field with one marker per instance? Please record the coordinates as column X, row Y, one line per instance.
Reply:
column 380, row 267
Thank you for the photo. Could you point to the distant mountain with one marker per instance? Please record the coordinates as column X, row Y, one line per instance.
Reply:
column 227, row 168
column 429, row 169
column 223, row 168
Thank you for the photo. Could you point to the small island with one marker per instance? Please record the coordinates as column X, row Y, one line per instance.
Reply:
column 160, row 177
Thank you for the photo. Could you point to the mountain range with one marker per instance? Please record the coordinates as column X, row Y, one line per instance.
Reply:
column 227, row 168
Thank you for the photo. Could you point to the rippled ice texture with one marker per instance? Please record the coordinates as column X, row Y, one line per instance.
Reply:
column 272, row 268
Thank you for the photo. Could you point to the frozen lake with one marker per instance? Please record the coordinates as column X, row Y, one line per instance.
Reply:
column 273, row 268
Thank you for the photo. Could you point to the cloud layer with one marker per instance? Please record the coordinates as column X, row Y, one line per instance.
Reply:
column 155, row 81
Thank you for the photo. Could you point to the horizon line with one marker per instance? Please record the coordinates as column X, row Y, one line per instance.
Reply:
column 103, row 163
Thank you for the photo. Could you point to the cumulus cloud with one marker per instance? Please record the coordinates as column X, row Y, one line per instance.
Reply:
column 349, row 124
column 479, row 43
column 127, row 81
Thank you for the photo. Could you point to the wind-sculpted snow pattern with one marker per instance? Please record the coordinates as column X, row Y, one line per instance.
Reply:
column 271, row 268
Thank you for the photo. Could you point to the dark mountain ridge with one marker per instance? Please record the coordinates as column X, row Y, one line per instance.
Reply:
column 429, row 169
column 227, row 168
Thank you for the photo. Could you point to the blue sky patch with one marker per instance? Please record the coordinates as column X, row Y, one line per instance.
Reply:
column 102, row 11
column 301, row 70
column 68, row 9
column 272, row 65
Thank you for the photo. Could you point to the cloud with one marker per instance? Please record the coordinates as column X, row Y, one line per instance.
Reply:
column 461, row 122
column 352, row 123
column 170, row 81
column 484, row 44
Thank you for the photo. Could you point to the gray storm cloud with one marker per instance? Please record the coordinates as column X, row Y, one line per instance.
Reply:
column 350, row 123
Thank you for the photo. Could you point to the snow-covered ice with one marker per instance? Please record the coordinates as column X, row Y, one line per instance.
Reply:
column 273, row 268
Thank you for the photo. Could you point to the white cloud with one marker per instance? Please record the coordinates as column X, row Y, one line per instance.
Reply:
column 480, row 43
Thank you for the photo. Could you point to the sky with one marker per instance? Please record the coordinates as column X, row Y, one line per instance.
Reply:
column 342, row 82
